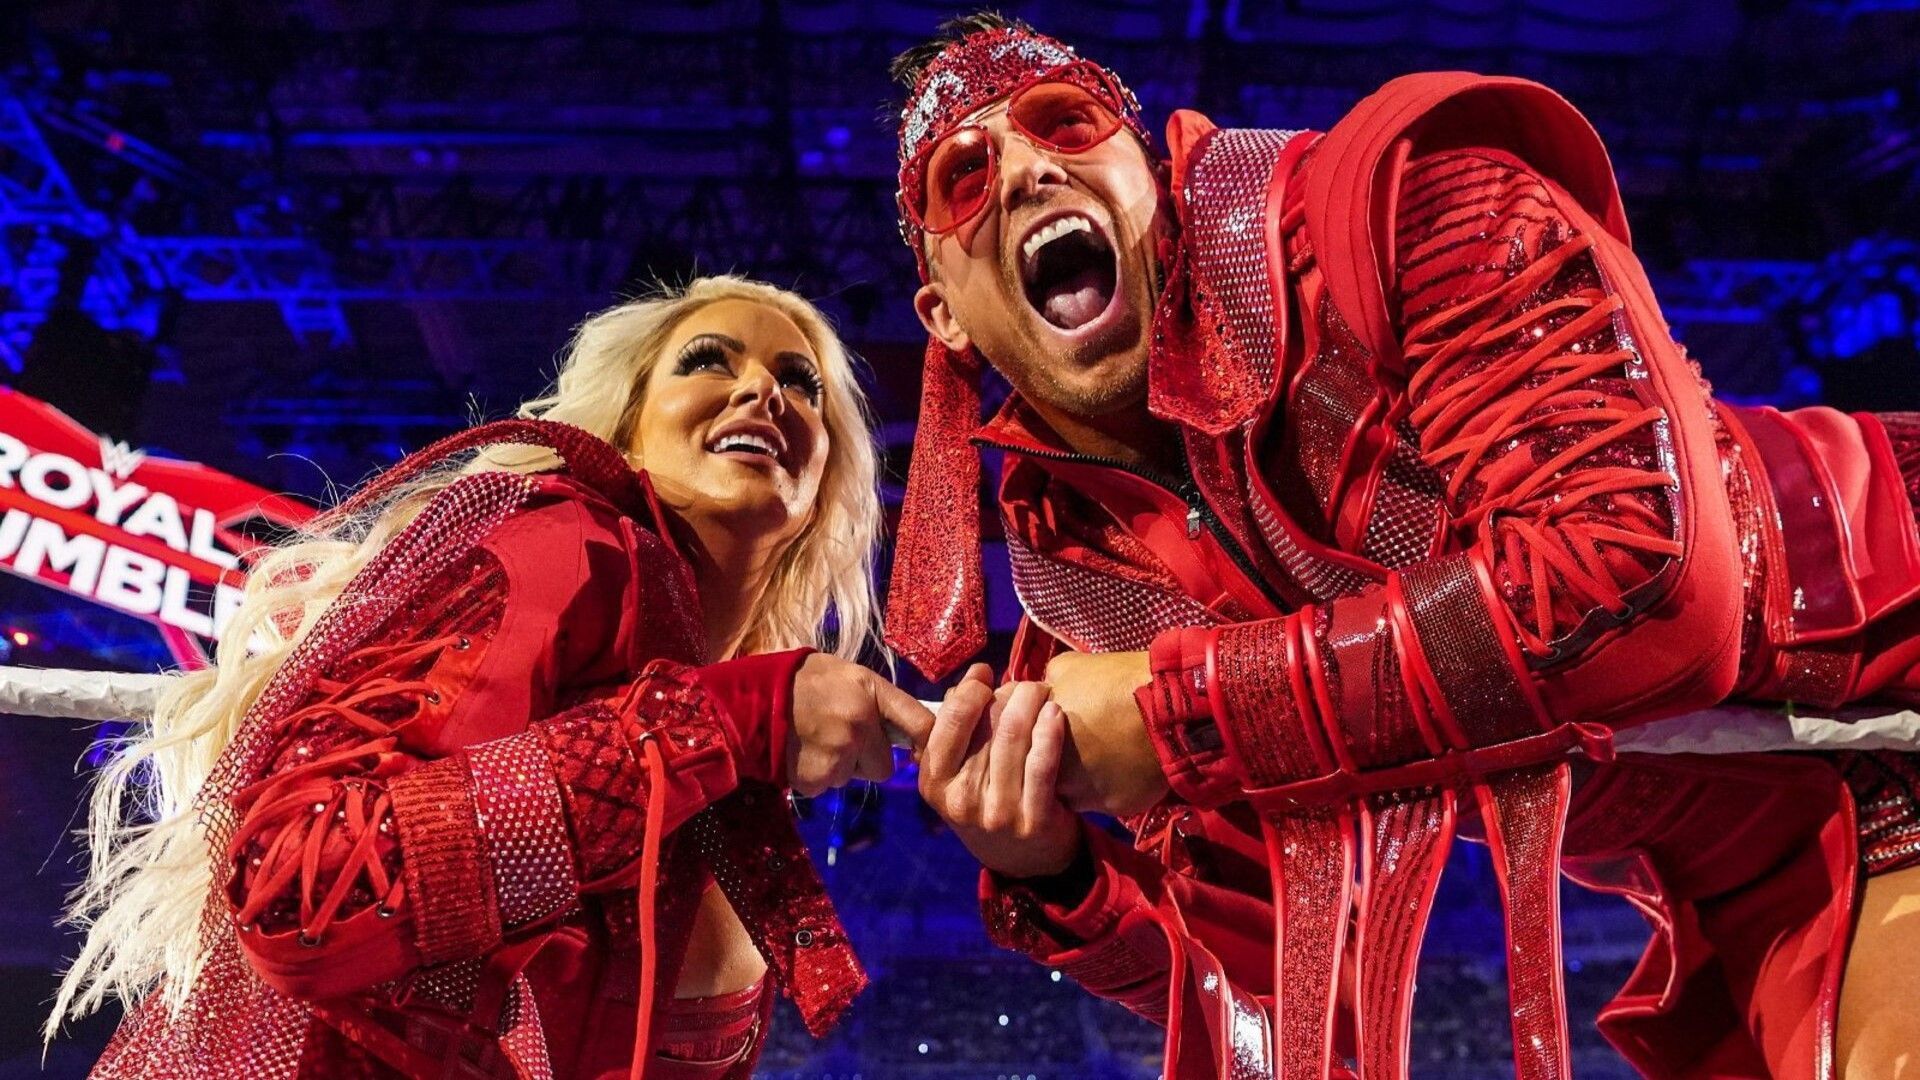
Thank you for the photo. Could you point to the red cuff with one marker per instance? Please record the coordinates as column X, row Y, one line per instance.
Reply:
column 1111, row 943
column 1019, row 919
column 1180, row 715
column 449, row 883
column 754, row 699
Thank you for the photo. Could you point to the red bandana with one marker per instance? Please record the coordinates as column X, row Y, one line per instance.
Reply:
column 936, row 604
column 980, row 69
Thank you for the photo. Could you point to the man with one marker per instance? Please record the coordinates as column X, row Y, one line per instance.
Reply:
column 1364, row 470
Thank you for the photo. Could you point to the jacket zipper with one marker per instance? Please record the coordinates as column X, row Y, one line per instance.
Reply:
column 1200, row 513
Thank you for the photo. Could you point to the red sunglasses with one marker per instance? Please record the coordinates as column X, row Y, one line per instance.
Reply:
column 950, row 181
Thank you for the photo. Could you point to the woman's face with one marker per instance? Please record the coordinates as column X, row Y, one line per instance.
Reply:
column 730, row 425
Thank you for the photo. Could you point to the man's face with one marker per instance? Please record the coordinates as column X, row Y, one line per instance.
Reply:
column 1054, row 280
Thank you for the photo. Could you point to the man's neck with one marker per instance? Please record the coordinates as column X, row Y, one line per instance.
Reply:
column 1133, row 436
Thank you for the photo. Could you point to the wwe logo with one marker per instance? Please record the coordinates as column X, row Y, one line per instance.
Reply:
column 118, row 459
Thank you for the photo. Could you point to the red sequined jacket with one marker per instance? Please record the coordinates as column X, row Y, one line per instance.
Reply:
column 497, row 807
column 1455, row 507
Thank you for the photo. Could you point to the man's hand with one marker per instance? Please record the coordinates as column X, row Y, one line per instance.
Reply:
column 841, row 712
column 1110, row 764
column 996, row 787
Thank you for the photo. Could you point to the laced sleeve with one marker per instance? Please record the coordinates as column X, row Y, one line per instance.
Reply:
column 1553, row 427
column 374, row 847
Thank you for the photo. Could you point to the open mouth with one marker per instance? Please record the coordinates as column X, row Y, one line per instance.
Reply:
column 745, row 442
column 1068, row 270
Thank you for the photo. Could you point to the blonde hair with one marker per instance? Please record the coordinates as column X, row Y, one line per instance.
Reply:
column 149, row 873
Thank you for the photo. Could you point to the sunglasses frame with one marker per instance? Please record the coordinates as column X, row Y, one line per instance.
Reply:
column 913, row 175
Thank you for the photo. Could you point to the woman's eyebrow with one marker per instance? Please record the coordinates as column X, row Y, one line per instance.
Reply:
column 731, row 344
column 797, row 357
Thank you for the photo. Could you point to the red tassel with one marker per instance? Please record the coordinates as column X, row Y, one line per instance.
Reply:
column 936, row 604
column 649, row 884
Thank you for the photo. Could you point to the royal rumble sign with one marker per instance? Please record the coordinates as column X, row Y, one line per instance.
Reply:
column 152, row 537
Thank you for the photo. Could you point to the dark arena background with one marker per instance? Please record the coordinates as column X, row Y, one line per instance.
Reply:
column 292, row 239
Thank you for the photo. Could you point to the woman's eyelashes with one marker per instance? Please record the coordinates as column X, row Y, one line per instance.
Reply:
column 701, row 355
column 707, row 355
column 802, row 377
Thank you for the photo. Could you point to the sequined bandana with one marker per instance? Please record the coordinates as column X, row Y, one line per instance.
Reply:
column 980, row 69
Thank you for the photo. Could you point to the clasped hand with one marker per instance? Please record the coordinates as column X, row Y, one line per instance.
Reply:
column 1005, row 767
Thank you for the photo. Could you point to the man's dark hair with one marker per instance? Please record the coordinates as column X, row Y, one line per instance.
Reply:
column 906, row 67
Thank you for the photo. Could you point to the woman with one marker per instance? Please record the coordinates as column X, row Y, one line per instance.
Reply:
column 498, row 787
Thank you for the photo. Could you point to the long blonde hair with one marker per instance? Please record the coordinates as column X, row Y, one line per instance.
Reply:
column 150, row 867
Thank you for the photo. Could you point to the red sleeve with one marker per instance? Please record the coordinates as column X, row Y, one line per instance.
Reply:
column 1591, row 579
column 1149, row 939
column 367, row 852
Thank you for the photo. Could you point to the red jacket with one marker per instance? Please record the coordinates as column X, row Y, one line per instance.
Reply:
column 444, row 848
column 1455, row 508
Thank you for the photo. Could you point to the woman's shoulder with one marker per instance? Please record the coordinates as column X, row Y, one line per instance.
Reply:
column 562, row 518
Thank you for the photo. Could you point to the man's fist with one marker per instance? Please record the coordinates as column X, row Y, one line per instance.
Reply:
column 1110, row 764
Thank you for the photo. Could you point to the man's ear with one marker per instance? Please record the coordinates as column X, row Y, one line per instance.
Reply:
column 931, row 305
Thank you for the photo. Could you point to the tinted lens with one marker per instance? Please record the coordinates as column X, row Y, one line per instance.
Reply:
column 958, row 175
column 1063, row 116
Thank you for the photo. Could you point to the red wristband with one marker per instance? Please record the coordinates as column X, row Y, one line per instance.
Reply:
column 754, row 699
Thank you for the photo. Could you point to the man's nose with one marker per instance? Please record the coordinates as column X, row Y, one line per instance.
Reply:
column 1024, row 170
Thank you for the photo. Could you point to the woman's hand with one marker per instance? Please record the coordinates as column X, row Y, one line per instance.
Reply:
column 996, row 787
column 841, row 712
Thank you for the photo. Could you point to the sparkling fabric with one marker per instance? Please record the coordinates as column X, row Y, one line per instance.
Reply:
column 1096, row 612
column 936, row 601
column 1214, row 357
column 1481, row 689
column 1250, row 1039
column 1218, row 469
column 1324, row 409
column 1109, row 967
column 781, row 901
column 517, row 805
column 1761, row 557
column 450, row 986
column 522, row 1038
column 1404, row 843
column 1253, row 661
column 603, row 786
column 1818, row 675
column 1323, row 579
column 1529, row 816
column 1886, row 796
column 1313, row 854
column 449, row 884
column 723, row 1034
column 1903, row 432
column 233, row 1025
column 1529, row 397
column 1408, row 516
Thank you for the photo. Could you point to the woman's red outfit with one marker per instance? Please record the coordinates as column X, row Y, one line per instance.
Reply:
column 1454, row 507
column 484, row 794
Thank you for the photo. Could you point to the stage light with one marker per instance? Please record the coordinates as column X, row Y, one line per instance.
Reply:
column 20, row 638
